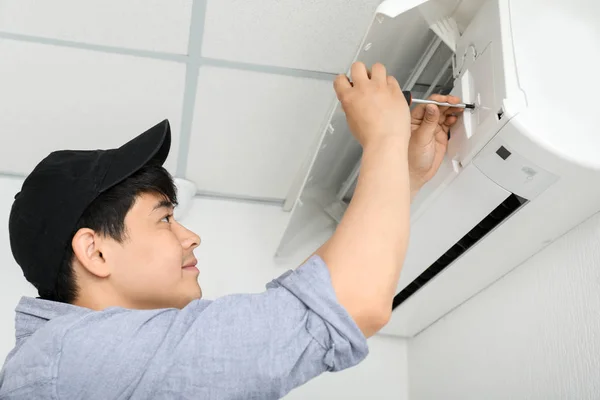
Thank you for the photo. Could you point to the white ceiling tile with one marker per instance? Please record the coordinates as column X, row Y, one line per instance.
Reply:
column 252, row 131
column 58, row 98
column 312, row 35
column 159, row 25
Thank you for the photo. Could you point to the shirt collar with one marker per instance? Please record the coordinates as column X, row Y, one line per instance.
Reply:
column 33, row 313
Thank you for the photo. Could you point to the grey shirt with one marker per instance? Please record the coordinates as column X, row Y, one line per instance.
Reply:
column 251, row 346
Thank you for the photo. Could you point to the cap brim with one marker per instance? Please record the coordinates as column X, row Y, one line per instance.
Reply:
column 151, row 146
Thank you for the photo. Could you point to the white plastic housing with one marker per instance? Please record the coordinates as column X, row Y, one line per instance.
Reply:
column 516, row 60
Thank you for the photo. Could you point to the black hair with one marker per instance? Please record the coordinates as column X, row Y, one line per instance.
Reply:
column 106, row 216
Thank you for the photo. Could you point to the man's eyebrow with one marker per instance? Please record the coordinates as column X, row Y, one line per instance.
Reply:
column 163, row 204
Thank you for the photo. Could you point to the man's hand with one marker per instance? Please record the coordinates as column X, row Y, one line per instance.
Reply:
column 429, row 139
column 374, row 105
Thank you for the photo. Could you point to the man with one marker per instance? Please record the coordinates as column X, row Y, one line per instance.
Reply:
column 120, row 314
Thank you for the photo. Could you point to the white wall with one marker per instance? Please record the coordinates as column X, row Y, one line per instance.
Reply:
column 380, row 377
column 12, row 282
column 236, row 255
column 535, row 334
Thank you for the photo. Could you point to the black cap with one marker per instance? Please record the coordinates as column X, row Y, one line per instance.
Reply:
column 58, row 191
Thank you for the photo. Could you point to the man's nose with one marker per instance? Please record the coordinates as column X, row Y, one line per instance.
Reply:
column 189, row 239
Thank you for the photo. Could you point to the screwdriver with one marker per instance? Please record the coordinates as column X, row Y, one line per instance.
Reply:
column 410, row 100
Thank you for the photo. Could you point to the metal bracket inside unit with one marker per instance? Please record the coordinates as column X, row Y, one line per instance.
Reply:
column 433, row 50
column 336, row 210
column 349, row 183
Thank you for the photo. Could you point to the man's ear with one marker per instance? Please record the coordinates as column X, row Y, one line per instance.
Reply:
column 87, row 248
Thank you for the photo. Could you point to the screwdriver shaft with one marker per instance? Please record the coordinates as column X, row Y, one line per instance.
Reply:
column 460, row 105
column 409, row 99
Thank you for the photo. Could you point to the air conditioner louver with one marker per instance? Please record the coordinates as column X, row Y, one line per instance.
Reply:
column 493, row 219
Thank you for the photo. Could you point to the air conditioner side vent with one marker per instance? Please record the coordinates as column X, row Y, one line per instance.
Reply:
column 493, row 219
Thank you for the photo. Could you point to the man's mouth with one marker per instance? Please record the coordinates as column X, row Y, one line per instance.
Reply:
column 191, row 266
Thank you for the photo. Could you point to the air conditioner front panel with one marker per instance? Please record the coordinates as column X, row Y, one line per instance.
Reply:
column 568, row 194
column 460, row 207
column 515, row 172
column 556, row 52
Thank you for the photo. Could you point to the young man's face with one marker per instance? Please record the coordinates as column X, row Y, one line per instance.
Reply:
column 155, row 266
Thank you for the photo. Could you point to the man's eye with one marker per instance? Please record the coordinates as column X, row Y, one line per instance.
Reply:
column 167, row 218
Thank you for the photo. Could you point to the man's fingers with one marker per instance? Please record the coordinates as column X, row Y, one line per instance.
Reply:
column 359, row 72
column 393, row 83
column 454, row 110
column 444, row 98
column 428, row 126
column 451, row 120
column 432, row 116
column 341, row 84
column 379, row 74
column 453, row 100
column 447, row 99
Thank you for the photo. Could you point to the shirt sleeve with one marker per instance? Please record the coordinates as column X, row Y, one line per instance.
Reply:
column 252, row 346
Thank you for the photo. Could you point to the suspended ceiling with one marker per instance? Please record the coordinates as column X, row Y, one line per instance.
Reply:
column 245, row 85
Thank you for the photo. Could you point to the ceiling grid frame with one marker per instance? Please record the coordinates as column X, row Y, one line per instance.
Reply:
column 193, row 61
column 196, row 33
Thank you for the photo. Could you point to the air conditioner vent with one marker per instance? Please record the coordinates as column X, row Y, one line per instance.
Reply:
column 493, row 219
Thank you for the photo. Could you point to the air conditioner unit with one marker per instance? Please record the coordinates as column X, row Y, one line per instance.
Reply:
column 522, row 169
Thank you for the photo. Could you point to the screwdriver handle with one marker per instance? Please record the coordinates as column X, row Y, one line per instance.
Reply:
column 408, row 96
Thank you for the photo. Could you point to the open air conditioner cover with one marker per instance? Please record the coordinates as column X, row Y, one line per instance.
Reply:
column 521, row 170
